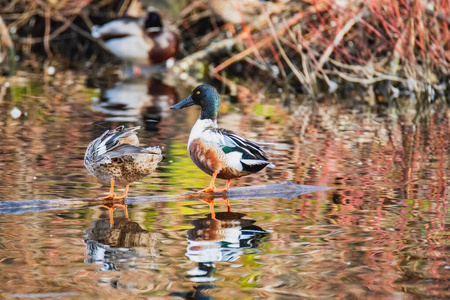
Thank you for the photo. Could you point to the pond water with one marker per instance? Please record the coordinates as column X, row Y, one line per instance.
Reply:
column 380, row 233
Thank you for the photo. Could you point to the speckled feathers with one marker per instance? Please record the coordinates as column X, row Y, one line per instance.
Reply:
column 116, row 155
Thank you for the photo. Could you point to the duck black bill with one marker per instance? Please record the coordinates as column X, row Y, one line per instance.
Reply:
column 185, row 103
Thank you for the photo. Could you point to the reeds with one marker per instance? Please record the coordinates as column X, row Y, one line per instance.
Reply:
column 308, row 43
column 45, row 29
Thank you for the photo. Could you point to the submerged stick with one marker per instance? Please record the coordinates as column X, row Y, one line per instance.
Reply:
column 286, row 190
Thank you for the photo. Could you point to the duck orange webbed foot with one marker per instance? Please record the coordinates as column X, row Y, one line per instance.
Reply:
column 113, row 196
column 225, row 188
column 109, row 197
column 209, row 189
column 212, row 189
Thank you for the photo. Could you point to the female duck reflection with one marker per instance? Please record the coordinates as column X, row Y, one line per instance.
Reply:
column 116, row 247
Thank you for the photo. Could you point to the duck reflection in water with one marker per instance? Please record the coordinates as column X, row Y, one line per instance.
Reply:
column 224, row 237
column 211, row 202
column 119, row 246
column 137, row 100
column 112, row 207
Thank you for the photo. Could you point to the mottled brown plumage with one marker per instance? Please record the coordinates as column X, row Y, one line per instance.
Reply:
column 211, row 159
column 116, row 157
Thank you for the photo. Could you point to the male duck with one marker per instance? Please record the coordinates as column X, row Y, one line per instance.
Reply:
column 140, row 41
column 115, row 156
column 216, row 151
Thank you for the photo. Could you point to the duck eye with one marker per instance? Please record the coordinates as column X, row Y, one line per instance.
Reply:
column 198, row 92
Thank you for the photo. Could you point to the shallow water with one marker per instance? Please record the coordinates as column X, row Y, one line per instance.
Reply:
column 381, row 233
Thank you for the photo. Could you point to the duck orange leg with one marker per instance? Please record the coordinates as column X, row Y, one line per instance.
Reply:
column 211, row 187
column 125, row 193
column 226, row 188
column 227, row 202
column 211, row 207
column 111, row 192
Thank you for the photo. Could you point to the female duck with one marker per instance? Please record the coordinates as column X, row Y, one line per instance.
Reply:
column 216, row 151
column 140, row 41
column 116, row 157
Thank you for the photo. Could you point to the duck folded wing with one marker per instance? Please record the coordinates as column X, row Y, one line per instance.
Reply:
column 111, row 139
column 229, row 141
column 126, row 149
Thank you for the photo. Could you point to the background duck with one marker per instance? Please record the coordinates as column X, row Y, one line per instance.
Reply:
column 137, row 100
column 116, row 157
column 216, row 151
column 140, row 41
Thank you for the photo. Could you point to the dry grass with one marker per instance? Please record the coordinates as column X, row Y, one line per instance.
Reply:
column 405, row 43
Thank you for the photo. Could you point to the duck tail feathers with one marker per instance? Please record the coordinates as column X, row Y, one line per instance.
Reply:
column 153, row 150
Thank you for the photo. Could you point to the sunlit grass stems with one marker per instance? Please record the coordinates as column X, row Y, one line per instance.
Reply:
column 219, row 152
column 321, row 46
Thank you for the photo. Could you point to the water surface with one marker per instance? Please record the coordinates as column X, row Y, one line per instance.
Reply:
column 381, row 233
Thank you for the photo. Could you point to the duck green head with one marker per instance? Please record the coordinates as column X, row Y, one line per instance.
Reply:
column 206, row 97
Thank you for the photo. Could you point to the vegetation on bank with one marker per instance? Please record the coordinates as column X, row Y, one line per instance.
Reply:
column 308, row 46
